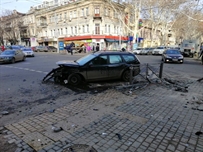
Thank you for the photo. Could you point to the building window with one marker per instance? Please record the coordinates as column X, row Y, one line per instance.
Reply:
column 114, row 29
column 50, row 19
column 87, row 28
column 54, row 33
column 106, row 12
column 71, row 30
column 105, row 28
column 109, row 12
column 51, row 33
column 71, row 15
column 97, row 29
column 60, row 17
column 83, row 29
column 109, row 29
column 82, row 12
column 75, row 14
column 87, row 11
column 75, row 29
column 65, row 15
column 61, row 31
column 58, row 32
column 66, row 30
column 96, row 11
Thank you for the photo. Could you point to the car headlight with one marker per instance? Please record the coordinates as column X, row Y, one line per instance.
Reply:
column 180, row 57
column 7, row 57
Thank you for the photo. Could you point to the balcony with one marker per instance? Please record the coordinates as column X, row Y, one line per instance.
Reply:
column 42, row 25
column 97, row 17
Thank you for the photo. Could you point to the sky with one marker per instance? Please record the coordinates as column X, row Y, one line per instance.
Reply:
column 21, row 6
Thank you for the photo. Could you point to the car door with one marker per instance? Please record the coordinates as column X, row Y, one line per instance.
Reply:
column 115, row 66
column 98, row 68
column 17, row 55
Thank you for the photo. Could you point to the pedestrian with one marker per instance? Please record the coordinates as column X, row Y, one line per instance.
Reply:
column 97, row 47
column 201, row 55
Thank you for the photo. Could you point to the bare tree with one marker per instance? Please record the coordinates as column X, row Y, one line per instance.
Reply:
column 10, row 26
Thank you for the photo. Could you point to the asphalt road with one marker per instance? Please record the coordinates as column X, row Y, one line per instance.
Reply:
column 21, row 86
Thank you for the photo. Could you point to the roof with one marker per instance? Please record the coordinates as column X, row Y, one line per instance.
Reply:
column 111, row 52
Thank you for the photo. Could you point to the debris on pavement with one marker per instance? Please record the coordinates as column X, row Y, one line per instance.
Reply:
column 4, row 112
column 198, row 133
column 119, row 136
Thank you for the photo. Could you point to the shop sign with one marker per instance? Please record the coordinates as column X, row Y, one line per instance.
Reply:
column 61, row 45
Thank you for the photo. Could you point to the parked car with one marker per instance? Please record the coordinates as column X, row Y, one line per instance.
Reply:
column 41, row 49
column 172, row 55
column 16, row 47
column 52, row 49
column 97, row 66
column 28, row 52
column 137, row 51
column 146, row 51
column 159, row 50
column 11, row 56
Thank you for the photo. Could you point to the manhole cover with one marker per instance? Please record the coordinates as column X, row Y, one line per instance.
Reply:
column 80, row 148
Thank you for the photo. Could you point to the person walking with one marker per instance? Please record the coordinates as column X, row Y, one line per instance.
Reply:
column 201, row 55
column 97, row 47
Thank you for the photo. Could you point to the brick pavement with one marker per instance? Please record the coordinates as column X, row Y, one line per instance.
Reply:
column 156, row 118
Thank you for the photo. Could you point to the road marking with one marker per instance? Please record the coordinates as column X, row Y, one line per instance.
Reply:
column 27, row 69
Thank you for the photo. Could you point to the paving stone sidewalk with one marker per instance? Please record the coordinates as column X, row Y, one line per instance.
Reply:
column 154, row 119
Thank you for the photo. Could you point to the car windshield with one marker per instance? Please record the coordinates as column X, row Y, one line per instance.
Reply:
column 160, row 47
column 172, row 52
column 8, row 52
column 85, row 59
column 27, row 50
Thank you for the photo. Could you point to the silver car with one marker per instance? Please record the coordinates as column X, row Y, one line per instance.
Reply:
column 11, row 56
column 28, row 52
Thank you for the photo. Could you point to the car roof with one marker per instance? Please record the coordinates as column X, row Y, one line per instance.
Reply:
column 111, row 52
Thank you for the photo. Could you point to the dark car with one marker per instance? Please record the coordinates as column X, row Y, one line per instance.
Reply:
column 172, row 55
column 51, row 49
column 96, row 67
column 11, row 56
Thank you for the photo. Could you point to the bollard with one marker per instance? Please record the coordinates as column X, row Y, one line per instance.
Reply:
column 147, row 72
column 131, row 75
column 161, row 70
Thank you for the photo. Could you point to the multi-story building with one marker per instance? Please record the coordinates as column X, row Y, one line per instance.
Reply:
column 83, row 22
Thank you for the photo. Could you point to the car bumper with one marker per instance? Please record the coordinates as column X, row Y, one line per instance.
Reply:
column 5, row 60
column 173, row 60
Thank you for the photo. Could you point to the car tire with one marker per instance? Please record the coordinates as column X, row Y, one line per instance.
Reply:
column 74, row 79
column 13, row 60
column 126, row 75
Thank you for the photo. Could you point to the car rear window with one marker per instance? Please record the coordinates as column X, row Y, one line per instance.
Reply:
column 130, row 59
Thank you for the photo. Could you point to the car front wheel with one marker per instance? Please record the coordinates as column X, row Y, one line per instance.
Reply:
column 13, row 60
column 75, row 79
column 126, row 75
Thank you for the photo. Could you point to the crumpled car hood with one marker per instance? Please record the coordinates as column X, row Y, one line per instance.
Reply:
column 67, row 63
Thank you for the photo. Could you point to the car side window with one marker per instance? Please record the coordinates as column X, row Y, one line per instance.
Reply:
column 113, row 59
column 130, row 59
column 100, row 60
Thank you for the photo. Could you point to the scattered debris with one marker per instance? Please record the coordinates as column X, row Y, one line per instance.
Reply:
column 119, row 136
column 4, row 112
column 200, row 79
column 198, row 133
column 51, row 110
column 56, row 129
